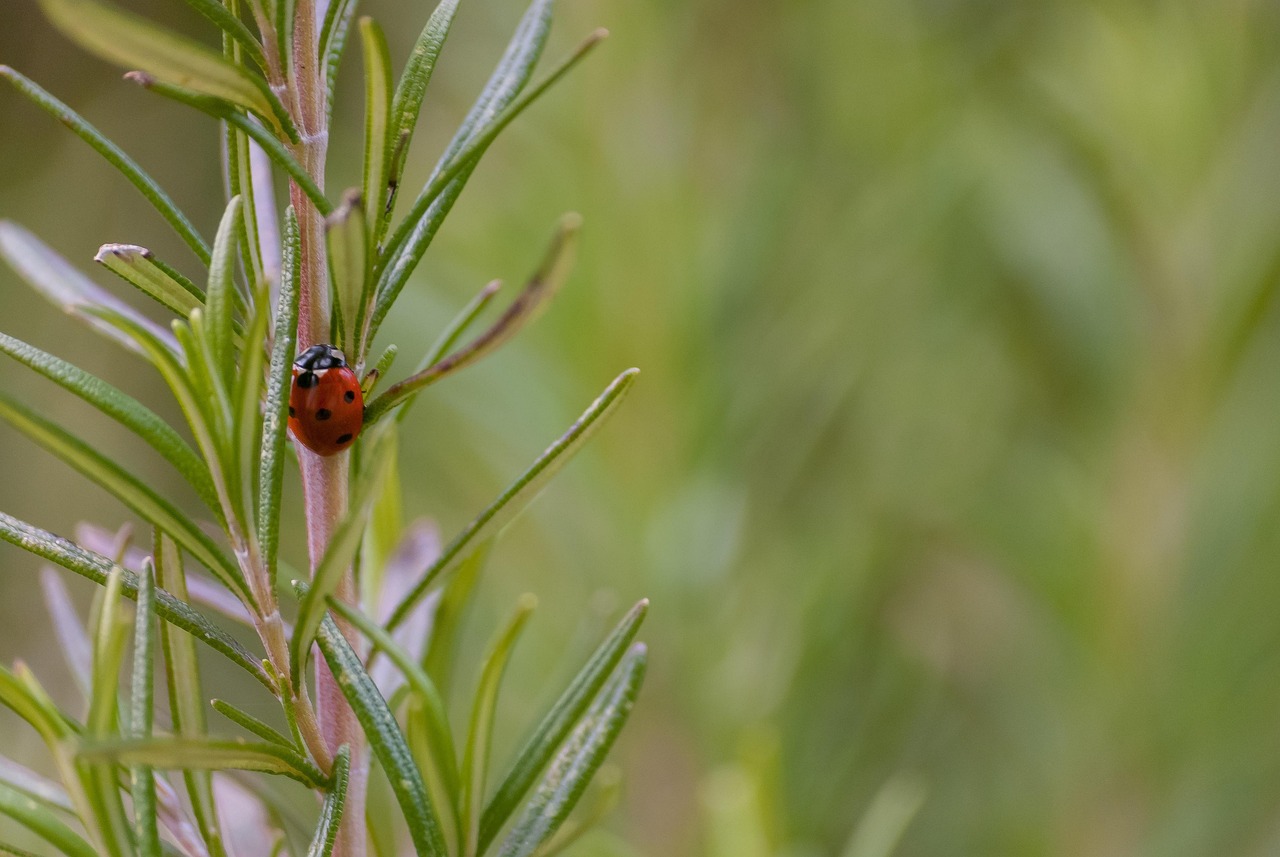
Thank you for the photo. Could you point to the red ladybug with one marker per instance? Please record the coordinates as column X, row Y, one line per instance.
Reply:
column 326, row 405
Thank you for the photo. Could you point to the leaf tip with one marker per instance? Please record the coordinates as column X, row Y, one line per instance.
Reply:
column 120, row 251
column 141, row 78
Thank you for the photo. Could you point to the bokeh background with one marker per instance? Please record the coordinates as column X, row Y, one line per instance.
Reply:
column 953, row 471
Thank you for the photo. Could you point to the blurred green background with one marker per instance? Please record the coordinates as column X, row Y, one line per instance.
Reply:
column 953, row 470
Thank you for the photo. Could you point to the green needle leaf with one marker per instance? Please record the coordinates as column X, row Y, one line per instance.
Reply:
column 407, row 103
column 274, row 415
column 385, row 739
column 137, row 267
column 475, row 763
column 377, row 116
column 141, row 713
column 126, row 487
column 542, row 286
column 115, row 156
column 573, row 767
column 103, row 721
column 556, row 725
column 65, row 287
column 250, row 723
column 331, row 812
column 520, row 493
column 232, row 26
column 443, row 755
column 348, row 241
column 333, row 38
column 96, row 567
column 220, row 296
column 192, row 754
column 43, row 822
column 133, row 42
column 122, row 408
column 341, row 551
column 186, row 693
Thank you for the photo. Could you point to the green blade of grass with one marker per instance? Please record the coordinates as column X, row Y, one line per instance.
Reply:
column 520, row 493
column 122, row 408
column 475, row 761
column 577, row 761
column 331, row 812
column 146, row 828
column 114, row 156
column 551, row 732
column 126, row 487
column 96, row 568
column 187, row 754
column 385, row 739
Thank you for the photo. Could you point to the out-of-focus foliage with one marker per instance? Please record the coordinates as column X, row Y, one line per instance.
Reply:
column 953, row 474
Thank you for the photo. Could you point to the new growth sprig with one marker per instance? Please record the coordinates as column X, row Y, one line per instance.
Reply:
column 274, row 280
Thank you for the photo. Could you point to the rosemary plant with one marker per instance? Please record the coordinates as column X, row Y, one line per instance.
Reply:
column 370, row 731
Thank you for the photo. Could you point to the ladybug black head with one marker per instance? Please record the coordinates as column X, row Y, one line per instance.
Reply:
column 319, row 357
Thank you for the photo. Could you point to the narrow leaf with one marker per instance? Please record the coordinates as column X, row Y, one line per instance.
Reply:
column 556, row 725
column 133, row 42
column 333, row 38
column 122, row 408
column 573, row 767
column 103, row 720
column 145, row 825
column 520, row 493
column 252, row 724
column 541, row 287
column 475, row 764
column 377, row 118
column 407, row 103
column 33, row 785
column 334, row 802
column 64, row 286
column 274, row 415
column 348, row 242
column 186, row 693
column 96, row 567
column 137, row 267
column 42, row 822
column 340, row 553
column 232, row 26
column 127, row 488
column 73, row 642
column 422, row 688
column 116, row 157
column 220, row 296
column 385, row 739
column 191, row 754
column 270, row 144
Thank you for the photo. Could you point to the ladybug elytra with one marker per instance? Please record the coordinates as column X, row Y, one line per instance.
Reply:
column 326, row 405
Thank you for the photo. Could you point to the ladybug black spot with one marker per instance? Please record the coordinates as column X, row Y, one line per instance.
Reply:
column 291, row 411
column 307, row 380
column 343, row 440
column 323, row 413
column 350, row 395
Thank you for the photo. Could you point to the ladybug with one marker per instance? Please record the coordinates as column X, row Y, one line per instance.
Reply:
column 326, row 405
